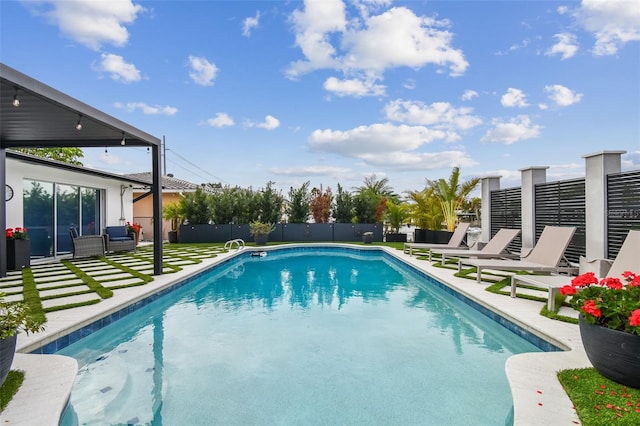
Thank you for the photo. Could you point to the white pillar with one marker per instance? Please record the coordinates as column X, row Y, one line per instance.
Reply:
column 597, row 166
column 530, row 177
column 487, row 184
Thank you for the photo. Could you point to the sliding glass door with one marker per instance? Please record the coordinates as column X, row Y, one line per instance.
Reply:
column 49, row 218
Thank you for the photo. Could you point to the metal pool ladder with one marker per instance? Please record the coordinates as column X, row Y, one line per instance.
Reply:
column 239, row 242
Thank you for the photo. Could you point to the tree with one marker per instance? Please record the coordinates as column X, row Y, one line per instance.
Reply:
column 321, row 204
column 174, row 213
column 371, row 199
column 66, row 155
column 197, row 207
column 298, row 204
column 451, row 195
column 396, row 215
column 343, row 212
column 269, row 204
column 425, row 209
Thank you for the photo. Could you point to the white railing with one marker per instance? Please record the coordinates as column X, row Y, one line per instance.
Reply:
column 239, row 242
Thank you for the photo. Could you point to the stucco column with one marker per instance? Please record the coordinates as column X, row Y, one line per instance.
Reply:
column 530, row 177
column 597, row 166
column 487, row 184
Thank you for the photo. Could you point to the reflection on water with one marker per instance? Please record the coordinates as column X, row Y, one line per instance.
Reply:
column 353, row 338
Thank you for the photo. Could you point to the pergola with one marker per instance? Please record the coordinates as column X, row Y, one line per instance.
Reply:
column 47, row 118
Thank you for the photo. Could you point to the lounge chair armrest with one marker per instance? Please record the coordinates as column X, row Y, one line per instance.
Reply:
column 600, row 267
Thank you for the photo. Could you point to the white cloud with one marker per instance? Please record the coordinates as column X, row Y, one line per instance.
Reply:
column 562, row 10
column 269, row 123
column 249, row 24
column 566, row 46
column 353, row 87
column 147, row 109
column 469, row 94
column 394, row 146
column 370, row 43
column 562, row 96
column 408, row 161
column 514, row 98
column 439, row 115
column 221, row 120
column 332, row 171
column 612, row 23
column 376, row 138
column 91, row 23
column 517, row 129
column 202, row 71
column 117, row 68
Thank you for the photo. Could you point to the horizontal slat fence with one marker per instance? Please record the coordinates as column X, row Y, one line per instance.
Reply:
column 623, row 208
column 506, row 212
column 562, row 203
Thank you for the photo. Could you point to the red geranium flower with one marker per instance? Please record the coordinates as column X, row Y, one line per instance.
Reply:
column 612, row 282
column 568, row 290
column 590, row 307
column 634, row 319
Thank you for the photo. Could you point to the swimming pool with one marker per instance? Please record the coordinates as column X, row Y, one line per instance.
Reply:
column 315, row 336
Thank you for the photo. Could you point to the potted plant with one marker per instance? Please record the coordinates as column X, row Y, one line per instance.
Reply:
column 396, row 214
column 426, row 213
column 134, row 229
column 173, row 212
column 451, row 195
column 260, row 231
column 18, row 249
column 14, row 317
column 367, row 237
column 609, row 323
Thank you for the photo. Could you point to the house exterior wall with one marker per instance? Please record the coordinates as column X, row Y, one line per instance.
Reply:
column 18, row 170
column 143, row 213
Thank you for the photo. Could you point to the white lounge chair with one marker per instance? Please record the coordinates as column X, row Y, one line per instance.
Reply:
column 628, row 259
column 494, row 249
column 454, row 242
column 544, row 257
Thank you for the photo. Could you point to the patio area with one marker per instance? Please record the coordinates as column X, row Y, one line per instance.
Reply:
column 538, row 396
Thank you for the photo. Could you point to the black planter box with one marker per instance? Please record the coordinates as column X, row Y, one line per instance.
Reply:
column 430, row 236
column 18, row 254
column 396, row 238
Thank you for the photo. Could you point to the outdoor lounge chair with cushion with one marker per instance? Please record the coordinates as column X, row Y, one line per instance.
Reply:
column 494, row 249
column 117, row 239
column 454, row 242
column 544, row 257
column 86, row 245
column 628, row 259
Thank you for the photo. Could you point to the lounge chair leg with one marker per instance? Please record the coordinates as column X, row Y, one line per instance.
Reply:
column 551, row 303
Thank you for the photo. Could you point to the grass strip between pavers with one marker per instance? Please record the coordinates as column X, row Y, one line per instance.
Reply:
column 31, row 296
column 89, row 281
column 600, row 401
column 137, row 274
column 72, row 305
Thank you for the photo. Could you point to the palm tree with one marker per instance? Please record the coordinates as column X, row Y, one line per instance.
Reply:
column 452, row 195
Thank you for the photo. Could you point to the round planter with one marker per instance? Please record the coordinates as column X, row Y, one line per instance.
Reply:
column 7, row 351
column 614, row 354
column 261, row 239
column 367, row 239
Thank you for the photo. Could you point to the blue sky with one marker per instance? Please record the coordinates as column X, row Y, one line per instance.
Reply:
column 331, row 91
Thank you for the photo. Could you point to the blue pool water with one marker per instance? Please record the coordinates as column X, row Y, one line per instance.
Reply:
column 298, row 337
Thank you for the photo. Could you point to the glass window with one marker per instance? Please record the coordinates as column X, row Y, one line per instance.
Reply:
column 38, row 216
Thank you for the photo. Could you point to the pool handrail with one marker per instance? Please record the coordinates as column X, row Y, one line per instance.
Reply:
column 239, row 242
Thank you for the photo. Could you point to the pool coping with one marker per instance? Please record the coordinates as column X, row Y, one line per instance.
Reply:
column 538, row 397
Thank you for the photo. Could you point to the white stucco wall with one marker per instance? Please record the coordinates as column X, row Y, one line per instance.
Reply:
column 18, row 170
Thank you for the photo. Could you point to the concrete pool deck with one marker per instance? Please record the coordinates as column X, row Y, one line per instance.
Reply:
column 538, row 397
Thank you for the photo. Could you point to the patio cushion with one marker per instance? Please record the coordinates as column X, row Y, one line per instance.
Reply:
column 117, row 233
